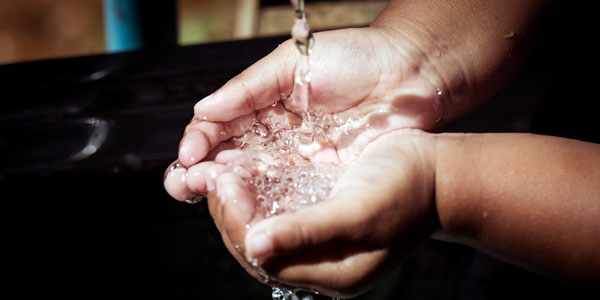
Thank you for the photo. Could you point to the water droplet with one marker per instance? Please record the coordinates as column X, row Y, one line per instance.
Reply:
column 307, row 77
column 274, row 208
column 509, row 35
column 278, row 294
column 285, row 180
column 175, row 165
column 260, row 130
column 439, row 92
column 194, row 198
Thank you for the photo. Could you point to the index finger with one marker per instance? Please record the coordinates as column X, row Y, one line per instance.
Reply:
column 260, row 85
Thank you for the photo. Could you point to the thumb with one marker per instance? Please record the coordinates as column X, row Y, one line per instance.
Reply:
column 257, row 87
column 340, row 218
column 293, row 232
column 357, row 213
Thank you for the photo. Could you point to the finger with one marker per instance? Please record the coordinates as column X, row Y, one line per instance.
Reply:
column 241, row 163
column 295, row 232
column 234, row 207
column 214, row 205
column 175, row 182
column 201, row 177
column 197, row 141
column 257, row 87
column 211, row 175
column 237, row 252
column 201, row 137
column 197, row 178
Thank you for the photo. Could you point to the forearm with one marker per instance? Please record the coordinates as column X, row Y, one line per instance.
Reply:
column 469, row 48
column 529, row 199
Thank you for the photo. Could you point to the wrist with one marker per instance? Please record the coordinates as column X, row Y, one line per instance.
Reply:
column 467, row 48
column 432, row 57
column 452, row 174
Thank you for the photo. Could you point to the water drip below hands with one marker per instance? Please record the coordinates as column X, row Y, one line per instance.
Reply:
column 285, row 294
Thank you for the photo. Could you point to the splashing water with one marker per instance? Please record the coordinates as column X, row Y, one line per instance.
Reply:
column 301, row 32
column 304, row 40
column 286, row 180
column 285, row 294
column 281, row 294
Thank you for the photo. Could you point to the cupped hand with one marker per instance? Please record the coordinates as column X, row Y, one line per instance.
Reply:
column 379, row 210
column 357, row 72
column 376, row 88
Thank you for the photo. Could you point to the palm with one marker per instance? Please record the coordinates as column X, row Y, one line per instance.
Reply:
column 369, row 75
column 356, row 78
column 345, row 69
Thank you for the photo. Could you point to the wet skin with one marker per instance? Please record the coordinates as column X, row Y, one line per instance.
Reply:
column 358, row 84
column 389, row 76
column 391, row 176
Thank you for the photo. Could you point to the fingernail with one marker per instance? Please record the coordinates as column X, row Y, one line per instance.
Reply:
column 175, row 184
column 192, row 148
column 208, row 100
column 185, row 152
column 260, row 245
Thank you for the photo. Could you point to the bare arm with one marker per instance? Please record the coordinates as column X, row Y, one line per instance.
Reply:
column 528, row 199
column 469, row 48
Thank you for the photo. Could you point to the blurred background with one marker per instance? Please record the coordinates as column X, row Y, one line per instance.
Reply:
column 41, row 29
